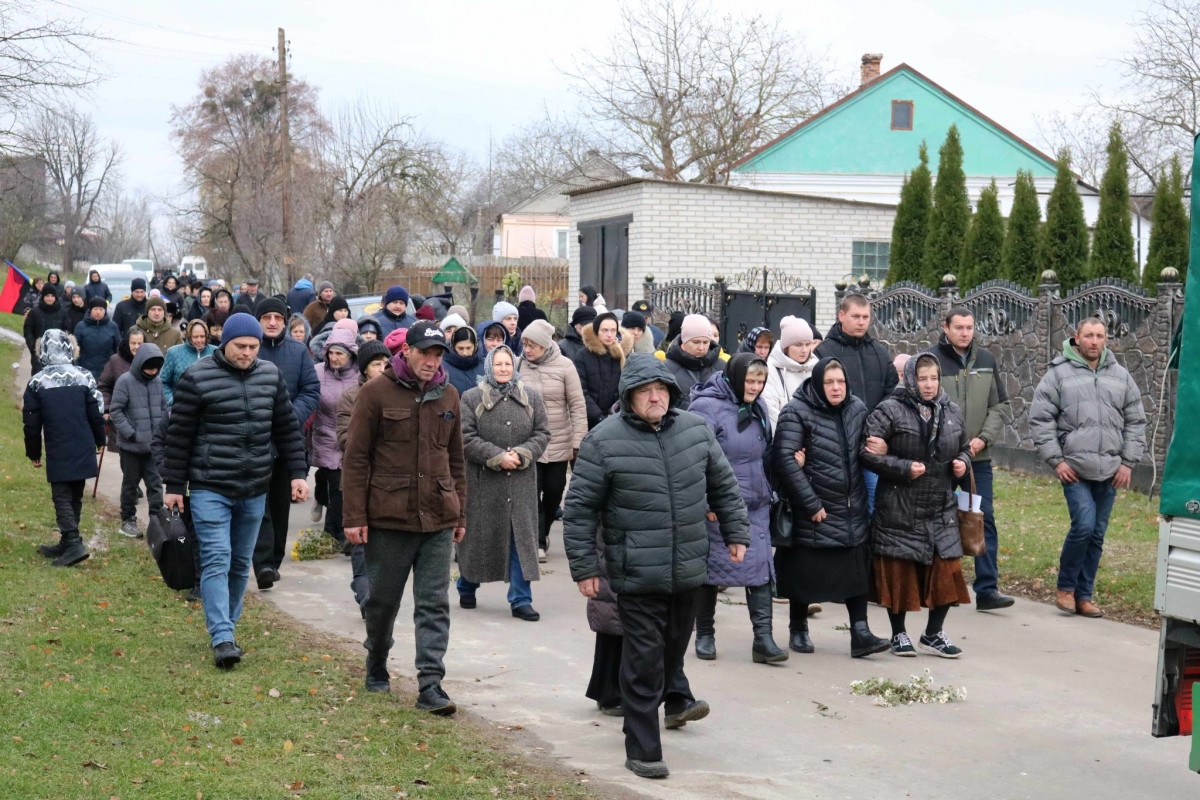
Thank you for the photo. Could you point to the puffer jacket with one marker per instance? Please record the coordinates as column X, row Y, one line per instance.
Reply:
column 299, row 375
column 334, row 383
column 61, row 402
column 747, row 451
column 914, row 519
column 571, row 343
column 784, row 378
column 599, row 369
column 96, row 288
column 463, row 372
column 227, row 425
column 389, row 322
column 98, row 340
column 647, row 490
column 139, row 404
column 869, row 371
column 179, row 358
column 973, row 384
column 690, row 371
column 1092, row 419
column 554, row 377
column 831, row 477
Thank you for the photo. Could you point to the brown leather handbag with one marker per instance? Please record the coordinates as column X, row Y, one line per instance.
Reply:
column 970, row 526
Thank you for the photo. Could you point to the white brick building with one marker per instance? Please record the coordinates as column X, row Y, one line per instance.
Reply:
column 623, row 231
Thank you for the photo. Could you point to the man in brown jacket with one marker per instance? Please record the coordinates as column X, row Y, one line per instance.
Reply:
column 405, row 498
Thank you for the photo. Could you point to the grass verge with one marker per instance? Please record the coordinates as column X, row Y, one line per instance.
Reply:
column 107, row 687
column 1032, row 520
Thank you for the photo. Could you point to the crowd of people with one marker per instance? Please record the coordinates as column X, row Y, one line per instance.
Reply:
column 804, row 469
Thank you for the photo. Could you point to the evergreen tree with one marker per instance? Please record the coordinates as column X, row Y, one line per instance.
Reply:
column 985, row 242
column 1169, row 230
column 912, row 223
column 1112, row 243
column 951, row 213
column 1019, row 262
column 1063, row 245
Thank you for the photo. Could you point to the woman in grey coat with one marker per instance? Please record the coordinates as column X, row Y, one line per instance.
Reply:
column 505, row 432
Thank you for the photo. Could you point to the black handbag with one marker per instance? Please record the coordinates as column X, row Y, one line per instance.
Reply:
column 171, row 541
column 781, row 522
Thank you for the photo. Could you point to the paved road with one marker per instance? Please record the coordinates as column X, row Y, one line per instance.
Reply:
column 1057, row 707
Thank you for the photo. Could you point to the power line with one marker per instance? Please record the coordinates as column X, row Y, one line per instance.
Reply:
column 152, row 25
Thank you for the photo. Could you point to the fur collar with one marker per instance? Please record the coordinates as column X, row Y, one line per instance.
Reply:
column 591, row 340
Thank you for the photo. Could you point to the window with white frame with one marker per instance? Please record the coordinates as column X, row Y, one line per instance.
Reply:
column 560, row 243
column 871, row 259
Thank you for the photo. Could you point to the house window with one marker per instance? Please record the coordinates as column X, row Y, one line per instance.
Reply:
column 871, row 259
column 902, row 115
column 560, row 243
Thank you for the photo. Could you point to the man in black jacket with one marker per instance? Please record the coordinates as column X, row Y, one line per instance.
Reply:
column 646, row 478
column 129, row 310
column 249, row 299
column 304, row 390
column 572, row 343
column 48, row 314
column 231, row 411
column 869, row 370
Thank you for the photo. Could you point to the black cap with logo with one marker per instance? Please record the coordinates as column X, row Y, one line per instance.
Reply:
column 424, row 335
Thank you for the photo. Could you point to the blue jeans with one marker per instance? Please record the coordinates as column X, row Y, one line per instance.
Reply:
column 1089, row 503
column 226, row 532
column 871, row 479
column 519, row 591
column 987, row 570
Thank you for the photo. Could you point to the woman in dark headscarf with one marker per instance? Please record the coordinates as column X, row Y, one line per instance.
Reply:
column 338, row 309
column 729, row 401
column 757, row 341
column 914, row 529
column 829, row 557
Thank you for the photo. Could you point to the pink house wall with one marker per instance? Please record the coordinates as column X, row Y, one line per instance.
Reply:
column 530, row 235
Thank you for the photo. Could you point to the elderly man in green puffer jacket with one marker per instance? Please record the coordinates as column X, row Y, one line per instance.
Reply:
column 646, row 478
column 1088, row 423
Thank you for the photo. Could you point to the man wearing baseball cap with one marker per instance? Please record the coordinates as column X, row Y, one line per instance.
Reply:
column 404, row 488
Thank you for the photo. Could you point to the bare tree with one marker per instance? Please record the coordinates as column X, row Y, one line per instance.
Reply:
column 538, row 154
column 80, row 170
column 449, row 210
column 123, row 223
column 22, row 201
column 684, row 93
column 42, row 54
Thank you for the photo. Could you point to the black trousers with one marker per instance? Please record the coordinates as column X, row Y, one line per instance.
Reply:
column 68, row 506
column 658, row 628
column 329, row 491
column 551, row 483
column 605, row 684
column 272, row 535
column 139, row 468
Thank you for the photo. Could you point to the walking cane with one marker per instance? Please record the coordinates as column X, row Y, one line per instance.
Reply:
column 100, row 466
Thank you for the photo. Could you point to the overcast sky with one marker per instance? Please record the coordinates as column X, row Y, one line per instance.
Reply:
column 465, row 69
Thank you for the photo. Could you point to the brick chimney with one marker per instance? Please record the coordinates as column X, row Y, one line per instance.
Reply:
column 870, row 67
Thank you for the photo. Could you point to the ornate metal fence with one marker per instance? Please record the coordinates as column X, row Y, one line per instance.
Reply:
column 1123, row 306
column 1000, row 307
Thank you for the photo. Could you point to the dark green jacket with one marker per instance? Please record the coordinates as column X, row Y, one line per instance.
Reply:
column 647, row 491
column 972, row 381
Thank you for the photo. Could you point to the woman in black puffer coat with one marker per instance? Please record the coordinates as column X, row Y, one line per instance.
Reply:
column 918, row 445
column 829, row 558
column 599, row 365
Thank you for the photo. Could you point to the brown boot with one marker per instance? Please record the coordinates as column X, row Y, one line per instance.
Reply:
column 1087, row 608
column 1065, row 601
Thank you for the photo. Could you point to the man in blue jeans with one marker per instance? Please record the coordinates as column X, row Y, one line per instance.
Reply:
column 1088, row 423
column 230, row 418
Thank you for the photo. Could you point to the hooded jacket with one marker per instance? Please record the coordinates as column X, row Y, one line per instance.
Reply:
column 139, row 404
column 41, row 318
column 59, row 286
column 869, row 370
column 334, row 383
column 527, row 312
column 180, row 357
column 599, row 367
column 915, row 519
column 1092, row 419
column 555, row 378
column 463, row 372
column 403, row 467
column 645, row 491
column 61, row 402
column 690, row 371
column 831, row 477
column 571, row 343
column 117, row 365
column 75, row 314
column 972, row 381
column 300, row 295
column 98, row 340
column 296, row 367
column 227, row 427
column 784, row 378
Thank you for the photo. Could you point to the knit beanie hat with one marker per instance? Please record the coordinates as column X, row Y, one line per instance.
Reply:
column 370, row 351
column 346, row 324
column 600, row 318
column 461, row 311
column 633, row 319
column 426, row 312
column 502, row 310
column 583, row 315
column 793, row 330
column 527, row 295
column 540, row 332
column 695, row 326
column 240, row 324
column 137, row 283
column 323, row 285
column 453, row 321
column 155, row 302
column 97, row 302
column 272, row 305
column 395, row 340
column 395, row 293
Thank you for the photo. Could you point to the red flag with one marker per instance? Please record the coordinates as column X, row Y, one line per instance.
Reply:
column 12, row 295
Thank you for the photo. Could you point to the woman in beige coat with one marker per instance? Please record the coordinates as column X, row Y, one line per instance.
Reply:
column 554, row 376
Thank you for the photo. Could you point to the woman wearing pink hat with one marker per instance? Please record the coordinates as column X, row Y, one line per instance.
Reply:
column 789, row 365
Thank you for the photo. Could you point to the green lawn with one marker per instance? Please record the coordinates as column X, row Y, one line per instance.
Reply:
column 108, row 688
column 1032, row 520
column 13, row 322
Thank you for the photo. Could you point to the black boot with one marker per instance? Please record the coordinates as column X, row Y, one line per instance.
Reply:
column 52, row 550
column 73, row 551
column 764, row 651
column 706, row 621
column 799, row 641
column 863, row 642
column 378, row 679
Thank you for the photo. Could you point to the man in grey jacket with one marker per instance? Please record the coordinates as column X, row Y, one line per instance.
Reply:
column 1088, row 423
column 646, row 477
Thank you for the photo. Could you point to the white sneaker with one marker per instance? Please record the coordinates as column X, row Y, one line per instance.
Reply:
column 541, row 556
column 315, row 512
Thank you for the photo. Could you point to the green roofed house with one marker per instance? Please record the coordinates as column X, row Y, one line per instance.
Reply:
column 861, row 147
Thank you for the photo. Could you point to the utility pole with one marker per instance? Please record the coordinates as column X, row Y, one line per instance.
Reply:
column 286, row 144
